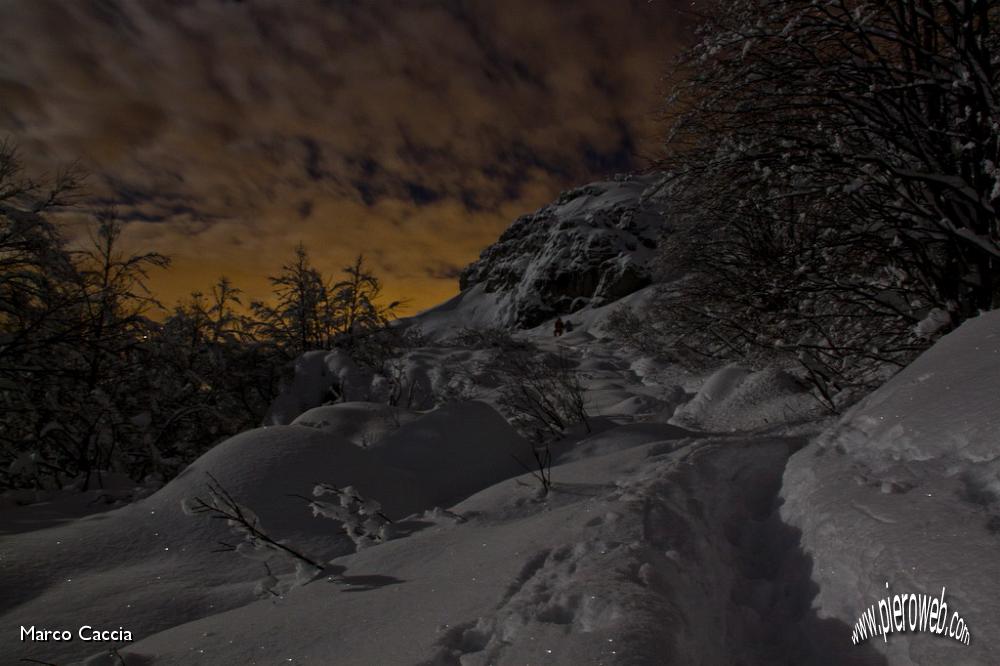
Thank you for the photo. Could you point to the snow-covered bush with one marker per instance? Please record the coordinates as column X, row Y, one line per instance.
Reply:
column 833, row 180
column 639, row 332
column 541, row 394
column 362, row 518
column 403, row 391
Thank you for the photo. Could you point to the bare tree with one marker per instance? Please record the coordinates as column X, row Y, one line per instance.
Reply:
column 112, row 305
column 541, row 394
column 359, row 320
column 35, row 268
column 833, row 174
column 297, row 319
column 225, row 321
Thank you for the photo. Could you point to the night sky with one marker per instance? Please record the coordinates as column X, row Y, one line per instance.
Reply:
column 415, row 132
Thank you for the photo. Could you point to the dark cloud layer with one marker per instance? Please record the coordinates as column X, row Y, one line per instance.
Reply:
column 412, row 131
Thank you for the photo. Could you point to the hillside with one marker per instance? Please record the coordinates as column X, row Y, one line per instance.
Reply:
column 719, row 518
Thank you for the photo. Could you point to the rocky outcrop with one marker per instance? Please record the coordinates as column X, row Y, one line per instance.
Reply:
column 590, row 247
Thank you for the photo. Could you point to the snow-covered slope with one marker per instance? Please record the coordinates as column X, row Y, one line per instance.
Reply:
column 905, row 490
column 699, row 520
column 148, row 566
column 598, row 574
column 468, row 585
column 590, row 247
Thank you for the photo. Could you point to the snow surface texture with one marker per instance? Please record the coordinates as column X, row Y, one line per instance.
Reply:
column 590, row 247
column 361, row 423
column 501, row 577
column 694, row 523
column 905, row 490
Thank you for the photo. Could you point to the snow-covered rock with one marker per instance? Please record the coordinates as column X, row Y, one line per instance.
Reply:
column 591, row 246
column 736, row 398
column 317, row 377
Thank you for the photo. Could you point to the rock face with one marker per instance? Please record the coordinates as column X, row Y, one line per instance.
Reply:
column 590, row 247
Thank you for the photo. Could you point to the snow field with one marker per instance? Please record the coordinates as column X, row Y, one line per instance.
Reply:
column 700, row 521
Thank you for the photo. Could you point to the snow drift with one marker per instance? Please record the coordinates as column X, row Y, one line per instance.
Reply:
column 905, row 491
column 150, row 566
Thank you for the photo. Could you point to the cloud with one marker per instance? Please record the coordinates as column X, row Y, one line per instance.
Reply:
column 228, row 131
column 443, row 271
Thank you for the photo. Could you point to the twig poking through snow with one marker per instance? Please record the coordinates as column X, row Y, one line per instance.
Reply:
column 543, row 463
column 244, row 523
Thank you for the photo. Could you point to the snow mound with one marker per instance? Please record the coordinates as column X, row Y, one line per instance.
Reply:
column 734, row 398
column 943, row 406
column 636, row 405
column 905, row 491
column 411, row 468
column 150, row 566
column 318, row 377
column 456, row 450
column 156, row 561
column 263, row 467
column 471, row 308
column 361, row 423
